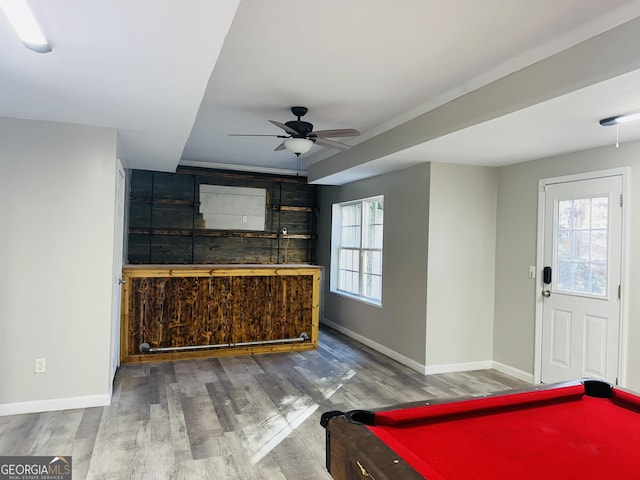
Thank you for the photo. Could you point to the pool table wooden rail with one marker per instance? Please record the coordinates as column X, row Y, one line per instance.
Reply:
column 353, row 452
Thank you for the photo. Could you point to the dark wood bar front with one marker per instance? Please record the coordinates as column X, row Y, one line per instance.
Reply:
column 193, row 311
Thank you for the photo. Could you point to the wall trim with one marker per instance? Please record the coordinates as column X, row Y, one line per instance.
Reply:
column 481, row 365
column 459, row 367
column 433, row 369
column 398, row 357
column 69, row 403
column 513, row 372
column 242, row 168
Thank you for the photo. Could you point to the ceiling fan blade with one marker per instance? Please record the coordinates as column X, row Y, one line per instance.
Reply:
column 341, row 132
column 286, row 128
column 332, row 144
column 255, row 135
column 279, row 147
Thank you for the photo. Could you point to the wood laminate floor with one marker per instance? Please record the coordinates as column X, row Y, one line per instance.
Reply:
column 249, row 417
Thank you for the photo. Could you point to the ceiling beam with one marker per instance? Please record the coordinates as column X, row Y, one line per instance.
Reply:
column 595, row 60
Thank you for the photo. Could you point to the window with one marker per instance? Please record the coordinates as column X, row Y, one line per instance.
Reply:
column 356, row 259
column 582, row 245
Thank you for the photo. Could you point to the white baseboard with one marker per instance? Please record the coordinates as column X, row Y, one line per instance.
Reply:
column 514, row 372
column 54, row 404
column 459, row 367
column 432, row 369
column 398, row 357
column 481, row 365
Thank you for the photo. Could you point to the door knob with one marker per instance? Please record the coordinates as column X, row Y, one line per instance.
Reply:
column 546, row 293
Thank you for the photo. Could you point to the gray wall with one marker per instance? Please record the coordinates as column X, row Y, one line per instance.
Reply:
column 516, row 250
column 456, row 291
column 400, row 324
column 438, row 267
column 56, row 281
column 460, row 295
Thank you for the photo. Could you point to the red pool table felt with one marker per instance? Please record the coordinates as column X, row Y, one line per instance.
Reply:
column 558, row 433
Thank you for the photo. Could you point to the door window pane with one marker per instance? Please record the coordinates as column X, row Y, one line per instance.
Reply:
column 599, row 279
column 581, row 212
column 565, row 276
column 599, row 212
column 565, row 243
column 581, row 245
column 565, row 218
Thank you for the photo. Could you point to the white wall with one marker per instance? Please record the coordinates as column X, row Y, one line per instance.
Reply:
column 58, row 191
column 516, row 250
column 460, row 293
column 398, row 327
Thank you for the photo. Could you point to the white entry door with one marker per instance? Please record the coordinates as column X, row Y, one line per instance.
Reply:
column 581, row 304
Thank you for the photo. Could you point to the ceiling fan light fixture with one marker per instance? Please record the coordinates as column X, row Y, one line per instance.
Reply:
column 24, row 23
column 298, row 145
column 617, row 120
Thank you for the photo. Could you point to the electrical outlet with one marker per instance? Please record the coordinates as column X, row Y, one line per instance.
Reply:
column 41, row 365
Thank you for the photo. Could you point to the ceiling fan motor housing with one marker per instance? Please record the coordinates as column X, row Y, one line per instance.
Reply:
column 299, row 111
column 303, row 128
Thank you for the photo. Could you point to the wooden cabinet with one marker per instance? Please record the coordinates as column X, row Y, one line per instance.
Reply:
column 191, row 311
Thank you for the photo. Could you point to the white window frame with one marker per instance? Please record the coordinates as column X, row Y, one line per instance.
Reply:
column 362, row 251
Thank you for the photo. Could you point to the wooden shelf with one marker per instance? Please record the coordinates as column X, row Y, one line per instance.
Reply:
column 163, row 201
column 169, row 201
column 214, row 233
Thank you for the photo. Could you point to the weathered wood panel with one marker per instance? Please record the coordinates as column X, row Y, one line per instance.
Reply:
column 297, row 195
column 170, row 249
column 236, row 250
column 185, row 307
column 297, row 222
column 293, row 250
column 141, row 184
column 172, row 186
column 139, row 215
column 172, row 216
column 139, row 248
column 166, row 205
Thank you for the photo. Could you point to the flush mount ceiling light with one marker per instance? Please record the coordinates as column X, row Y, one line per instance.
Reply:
column 25, row 25
column 608, row 122
column 617, row 121
column 298, row 145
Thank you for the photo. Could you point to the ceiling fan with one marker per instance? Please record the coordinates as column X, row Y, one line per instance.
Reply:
column 301, row 136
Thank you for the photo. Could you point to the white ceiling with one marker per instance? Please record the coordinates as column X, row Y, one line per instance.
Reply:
column 175, row 78
column 139, row 66
column 557, row 126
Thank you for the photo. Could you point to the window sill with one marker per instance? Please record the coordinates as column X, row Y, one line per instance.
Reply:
column 373, row 303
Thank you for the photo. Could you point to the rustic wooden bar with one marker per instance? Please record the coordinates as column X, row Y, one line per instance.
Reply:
column 218, row 306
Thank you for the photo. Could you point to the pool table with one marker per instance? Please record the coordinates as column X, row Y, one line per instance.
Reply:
column 586, row 429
